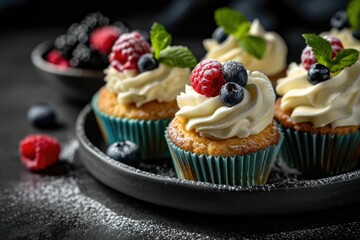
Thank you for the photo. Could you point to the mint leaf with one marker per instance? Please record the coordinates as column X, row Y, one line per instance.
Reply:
column 353, row 12
column 320, row 47
column 178, row 56
column 236, row 24
column 242, row 31
column 344, row 58
column 322, row 50
column 159, row 38
column 254, row 45
column 229, row 19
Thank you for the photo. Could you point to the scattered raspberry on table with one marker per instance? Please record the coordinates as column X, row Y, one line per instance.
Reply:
column 39, row 151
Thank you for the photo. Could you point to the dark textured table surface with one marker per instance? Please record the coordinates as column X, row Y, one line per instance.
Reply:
column 66, row 202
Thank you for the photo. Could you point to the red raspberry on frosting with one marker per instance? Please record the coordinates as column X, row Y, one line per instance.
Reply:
column 39, row 151
column 207, row 78
column 103, row 38
column 308, row 57
column 127, row 50
column 335, row 43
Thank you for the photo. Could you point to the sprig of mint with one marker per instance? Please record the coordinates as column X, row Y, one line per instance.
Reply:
column 236, row 24
column 322, row 50
column 175, row 56
column 353, row 12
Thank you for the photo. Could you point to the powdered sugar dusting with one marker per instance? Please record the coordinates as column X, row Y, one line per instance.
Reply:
column 52, row 201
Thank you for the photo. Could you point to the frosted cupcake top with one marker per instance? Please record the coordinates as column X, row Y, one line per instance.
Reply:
column 273, row 61
column 238, row 39
column 319, row 94
column 163, row 84
column 140, row 73
column 220, row 106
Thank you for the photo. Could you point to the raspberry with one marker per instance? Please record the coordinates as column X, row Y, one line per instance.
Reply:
column 335, row 43
column 127, row 50
column 55, row 57
column 207, row 78
column 308, row 57
column 103, row 38
column 39, row 151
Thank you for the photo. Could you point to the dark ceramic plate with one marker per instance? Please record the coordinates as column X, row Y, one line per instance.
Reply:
column 71, row 83
column 285, row 193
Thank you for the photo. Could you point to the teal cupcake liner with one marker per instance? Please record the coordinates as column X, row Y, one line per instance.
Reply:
column 320, row 154
column 247, row 170
column 147, row 134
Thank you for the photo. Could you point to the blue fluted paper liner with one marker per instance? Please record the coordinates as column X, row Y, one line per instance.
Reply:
column 147, row 134
column 248, row 170
column 320, row 154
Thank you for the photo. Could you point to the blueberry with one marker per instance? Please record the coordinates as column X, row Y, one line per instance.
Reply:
column 42, row 115
column 219, row 35
column 318, row 73
column 231, row 94
column 234, row 71
column 356, row 34
column 147, row 62
column 126, row 152
column 339, row 20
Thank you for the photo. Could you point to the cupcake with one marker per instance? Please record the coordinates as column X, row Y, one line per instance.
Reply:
column 247, row 42
column 225, row 132
column 345, row 25
column 319, row 108
column 139, row 97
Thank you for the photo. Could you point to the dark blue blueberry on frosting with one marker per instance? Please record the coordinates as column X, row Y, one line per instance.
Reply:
column 231, row 94
column 234, row 71
column 236, row 77
column 147, row 62
column 219, row 35
column 318, row 73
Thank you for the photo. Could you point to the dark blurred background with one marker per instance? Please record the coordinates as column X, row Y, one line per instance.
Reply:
column 189, row 21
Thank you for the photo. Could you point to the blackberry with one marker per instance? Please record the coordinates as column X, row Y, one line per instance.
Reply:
column 318, row 73
column 145, row 34
column 66, row 43
column 85, row 57
column 121, row 26
column 80, row 31
column 95, row 20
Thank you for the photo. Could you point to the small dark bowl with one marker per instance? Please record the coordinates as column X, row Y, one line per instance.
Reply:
column 73, row 84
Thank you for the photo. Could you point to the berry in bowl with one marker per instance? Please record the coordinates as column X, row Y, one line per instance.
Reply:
column 74, row 61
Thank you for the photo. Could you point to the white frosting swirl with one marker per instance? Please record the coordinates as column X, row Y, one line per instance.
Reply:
column 345, row 36
column 162, row 84
column 211, row 118
column 335, row 101
column 273, row 62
